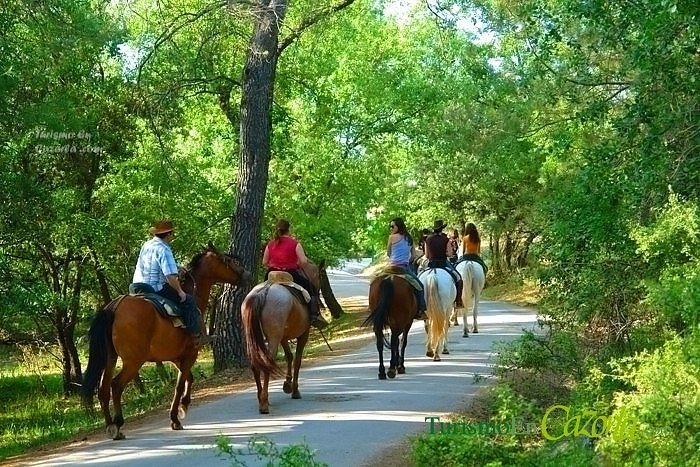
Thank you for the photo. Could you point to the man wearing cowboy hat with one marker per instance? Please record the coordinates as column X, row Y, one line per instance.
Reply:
column 436, row 252
column 156, row 267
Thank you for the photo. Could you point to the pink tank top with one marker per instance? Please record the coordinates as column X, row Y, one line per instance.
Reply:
column 283, row 253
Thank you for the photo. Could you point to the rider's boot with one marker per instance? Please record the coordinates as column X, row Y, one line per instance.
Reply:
column 421, row 307
column 317, row 320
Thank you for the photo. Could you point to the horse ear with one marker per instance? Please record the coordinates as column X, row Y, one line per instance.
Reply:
column 322, row 265
column 211, row 247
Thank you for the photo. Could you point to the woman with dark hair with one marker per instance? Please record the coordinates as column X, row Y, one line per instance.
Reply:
column 285, row 253
column 471, row 246
column 399, row 248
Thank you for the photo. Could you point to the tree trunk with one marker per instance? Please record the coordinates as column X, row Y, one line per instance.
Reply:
column 329, row 297
column 254, row 160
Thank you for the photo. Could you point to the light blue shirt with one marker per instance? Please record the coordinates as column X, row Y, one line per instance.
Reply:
column 400, row 252
column 155, row 261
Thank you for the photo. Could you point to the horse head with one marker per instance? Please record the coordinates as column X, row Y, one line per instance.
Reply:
column 218, row 267
column 313, row 273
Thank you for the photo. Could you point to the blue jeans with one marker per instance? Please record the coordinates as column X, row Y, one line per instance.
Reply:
column 420, row 294
column 190, row 313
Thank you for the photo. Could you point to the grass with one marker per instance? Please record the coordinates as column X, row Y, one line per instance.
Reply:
column 35, row 413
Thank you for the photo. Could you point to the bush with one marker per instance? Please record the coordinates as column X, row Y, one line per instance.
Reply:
column 661, row 417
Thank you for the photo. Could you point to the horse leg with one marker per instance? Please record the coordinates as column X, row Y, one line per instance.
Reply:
column 186, row 397
column 475, row 312
column 264, row 403
column 380, row 349
column 184, row 379
column 128, row 373
column 428, row 348
column 105, row 392
column 467, row 299
column 287, row 386
column 258, row 384
column 404, row 341
column 264, row 391
column 445, row 334
column 394, row 362
column 301, row 343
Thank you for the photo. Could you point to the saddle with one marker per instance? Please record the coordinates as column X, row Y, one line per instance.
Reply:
column 166, row 308
column 286, row 279
column 388, row 271
column 442, row 264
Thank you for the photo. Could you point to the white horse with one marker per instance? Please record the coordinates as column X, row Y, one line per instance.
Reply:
column 473, row 276
column 440, row 294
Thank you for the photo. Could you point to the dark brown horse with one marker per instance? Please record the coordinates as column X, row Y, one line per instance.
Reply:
column 272, row 315
column 392, row 304
column 130, row 328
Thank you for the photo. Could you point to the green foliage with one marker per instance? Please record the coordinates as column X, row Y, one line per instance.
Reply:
column 268, row 452
column 35, row 412
column 558, row 352
column 670, row 245
column 663, row 406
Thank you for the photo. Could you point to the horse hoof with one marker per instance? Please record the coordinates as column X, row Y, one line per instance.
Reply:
column 475, row 331
column 177, row 426
column 287, row 387
column 112, row 431
column 466, row 334
column 264, row 410
column 119, row 436
column 391, row 373
column 429, row 354
column 382, row 375
column 182, row 412
column 296, row 395
column 402, row 370
column 445, row 352
column 436, row 358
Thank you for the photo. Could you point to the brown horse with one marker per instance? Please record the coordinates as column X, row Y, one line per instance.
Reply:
column 272, row 313
column 130, row 328
column 393, row 304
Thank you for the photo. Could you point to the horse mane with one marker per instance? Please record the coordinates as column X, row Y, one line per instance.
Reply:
column 194, row 263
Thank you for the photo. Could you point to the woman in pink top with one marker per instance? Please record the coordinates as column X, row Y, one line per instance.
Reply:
column 285, row 253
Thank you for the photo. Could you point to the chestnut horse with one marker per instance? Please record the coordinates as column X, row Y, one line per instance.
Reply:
column 272, row 315
column 392, row 304
column 130, row 328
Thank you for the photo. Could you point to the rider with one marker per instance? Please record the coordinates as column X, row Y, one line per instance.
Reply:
column 453, row 247
column 436, row 252
column 156, row 267
column 471, row 246
column 399, row 248
column 285, row 253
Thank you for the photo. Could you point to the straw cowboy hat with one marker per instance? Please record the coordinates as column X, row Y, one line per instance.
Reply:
column 438, row 225
column 161, row 227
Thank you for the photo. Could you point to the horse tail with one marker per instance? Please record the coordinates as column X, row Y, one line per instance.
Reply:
column 100, row 348
column 437, row 310
column 468, row 279
column 256, row 348
column 379, row 317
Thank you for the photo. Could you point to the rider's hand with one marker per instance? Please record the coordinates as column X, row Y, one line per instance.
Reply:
column 183, row 296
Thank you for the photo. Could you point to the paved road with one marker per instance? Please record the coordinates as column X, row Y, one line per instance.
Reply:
column 346, row 414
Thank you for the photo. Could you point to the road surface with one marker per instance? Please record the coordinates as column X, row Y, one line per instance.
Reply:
column 346, row 414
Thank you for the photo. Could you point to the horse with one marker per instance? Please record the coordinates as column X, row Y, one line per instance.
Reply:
column 473, row 276
column 440, row 294
column 272, row 313
column 393, row 304
column 129, row 327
